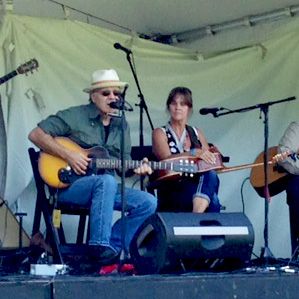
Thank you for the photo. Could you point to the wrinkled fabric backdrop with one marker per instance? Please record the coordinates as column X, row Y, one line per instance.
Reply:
column 69, row 51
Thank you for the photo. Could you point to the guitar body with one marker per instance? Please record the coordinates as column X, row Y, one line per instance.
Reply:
column 276, row 177
column 55, row 171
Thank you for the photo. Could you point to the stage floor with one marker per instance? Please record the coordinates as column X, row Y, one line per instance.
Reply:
column 258, row 282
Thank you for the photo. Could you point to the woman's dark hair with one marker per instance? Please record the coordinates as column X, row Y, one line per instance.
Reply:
column 184, row 91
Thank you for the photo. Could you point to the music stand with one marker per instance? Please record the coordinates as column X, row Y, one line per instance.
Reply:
column 266, row 253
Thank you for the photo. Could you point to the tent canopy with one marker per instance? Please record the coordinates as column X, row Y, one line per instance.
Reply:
column 207, row 26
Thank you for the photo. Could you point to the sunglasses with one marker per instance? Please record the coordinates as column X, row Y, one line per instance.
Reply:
column 106, row 93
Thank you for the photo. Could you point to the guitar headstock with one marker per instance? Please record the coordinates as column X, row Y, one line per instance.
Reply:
column 185, row 166
column 28, row 66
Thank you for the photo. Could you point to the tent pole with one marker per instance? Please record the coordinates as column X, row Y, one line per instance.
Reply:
column 3, row 152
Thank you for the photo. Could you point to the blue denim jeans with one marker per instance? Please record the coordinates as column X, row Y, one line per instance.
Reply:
column 208, row 187
column 178, row 196
column 102, row 194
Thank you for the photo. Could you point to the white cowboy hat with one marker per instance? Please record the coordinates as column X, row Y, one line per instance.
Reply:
column 104, row 78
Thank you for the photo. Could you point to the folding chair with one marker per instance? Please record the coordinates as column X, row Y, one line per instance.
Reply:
column 46, row 201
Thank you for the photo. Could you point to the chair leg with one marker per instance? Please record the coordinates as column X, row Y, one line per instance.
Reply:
column 81, row 229
column 37, row 216
column 53, row 238
column 61, row 234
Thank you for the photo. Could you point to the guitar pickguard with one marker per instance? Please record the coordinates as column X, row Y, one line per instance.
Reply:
column 68, row 176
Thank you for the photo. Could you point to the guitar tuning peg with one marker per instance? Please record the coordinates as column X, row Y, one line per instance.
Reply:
column 191, row 175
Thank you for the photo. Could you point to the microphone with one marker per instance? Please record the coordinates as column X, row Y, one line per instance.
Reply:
column 119, row 105
column 118, row 46
column 212, row 110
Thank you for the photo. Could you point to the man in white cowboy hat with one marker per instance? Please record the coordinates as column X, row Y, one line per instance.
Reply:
column 92, row 125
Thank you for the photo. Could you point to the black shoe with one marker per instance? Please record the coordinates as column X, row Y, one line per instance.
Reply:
column 103, row 254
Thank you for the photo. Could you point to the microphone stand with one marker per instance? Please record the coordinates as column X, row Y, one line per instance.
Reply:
column 266, row 253
column 124, row 253
column 142, row 106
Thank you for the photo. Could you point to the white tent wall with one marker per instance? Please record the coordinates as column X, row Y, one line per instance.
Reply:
column 68, row 51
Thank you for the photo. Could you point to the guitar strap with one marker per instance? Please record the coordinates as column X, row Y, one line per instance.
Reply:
column 195, row 143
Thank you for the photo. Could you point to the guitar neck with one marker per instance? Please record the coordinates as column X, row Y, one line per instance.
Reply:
column 240, row 167
column 283, row 156
column 8, row 77
column 132, row 164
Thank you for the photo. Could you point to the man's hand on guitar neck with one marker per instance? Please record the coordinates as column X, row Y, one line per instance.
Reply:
column 144, row 168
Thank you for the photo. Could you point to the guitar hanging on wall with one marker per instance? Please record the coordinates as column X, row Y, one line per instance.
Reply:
column 10, row 230
column 28, row 66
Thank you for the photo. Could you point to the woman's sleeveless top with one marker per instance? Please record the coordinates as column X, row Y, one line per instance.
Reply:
column 176, row 145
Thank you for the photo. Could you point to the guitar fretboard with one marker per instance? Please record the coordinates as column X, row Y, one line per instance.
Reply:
column 132, row 164
column 7, row 77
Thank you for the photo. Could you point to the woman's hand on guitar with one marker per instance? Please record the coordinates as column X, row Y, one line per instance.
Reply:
column 78, row 162
column 206, row 155
column 144, row 168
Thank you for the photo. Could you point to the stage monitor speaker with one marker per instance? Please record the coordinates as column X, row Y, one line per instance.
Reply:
column 170, row 241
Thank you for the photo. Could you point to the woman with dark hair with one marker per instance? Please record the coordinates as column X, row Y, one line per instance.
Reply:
column 199, row 193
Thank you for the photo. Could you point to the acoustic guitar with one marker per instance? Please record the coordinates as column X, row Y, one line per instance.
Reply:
column 24, row 68
column 58, row 174
column 277, row 176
